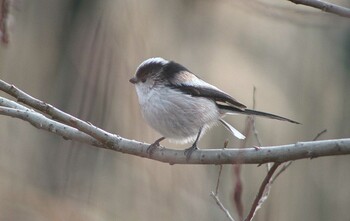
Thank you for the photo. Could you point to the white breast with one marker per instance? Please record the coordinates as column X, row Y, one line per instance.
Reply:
column 175, row 115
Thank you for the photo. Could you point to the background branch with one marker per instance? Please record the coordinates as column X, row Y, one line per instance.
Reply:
column 325, row 6
column 215, row 195
column 221, row 206
column 265, row 186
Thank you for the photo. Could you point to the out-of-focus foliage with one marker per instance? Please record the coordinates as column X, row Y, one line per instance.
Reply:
column 79, row 55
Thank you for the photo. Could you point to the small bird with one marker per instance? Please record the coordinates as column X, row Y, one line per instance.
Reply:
column 181, row 106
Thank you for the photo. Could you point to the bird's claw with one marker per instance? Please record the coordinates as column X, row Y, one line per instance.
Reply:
column 257, row 147
column 151, row 148
column 188, row 152
column 154, row 146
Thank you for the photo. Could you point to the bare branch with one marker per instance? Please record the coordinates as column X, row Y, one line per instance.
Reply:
column 325, row 6
column 55, row 113
column 265, row 186
column 256, row 133
column 320, row 134
column 41, row 122
column 230, row 156
column 8, row 103
column 284, row 167
column 114, row 142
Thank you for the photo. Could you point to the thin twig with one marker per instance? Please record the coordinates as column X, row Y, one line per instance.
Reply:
column 255, row 130
column 237, row 168
column 267, row 189
column 319, row 135
column 218, row 202
column 220, row 170
column 218, row 181
column 263, row 187
column 256, row 133
column 215, row 195
column 284, row 167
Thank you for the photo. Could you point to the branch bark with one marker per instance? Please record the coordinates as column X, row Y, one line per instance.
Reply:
column 87, row 133
column 41, row 122
column 325, row 6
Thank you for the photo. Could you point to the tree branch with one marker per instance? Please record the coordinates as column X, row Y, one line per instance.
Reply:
column 325, row 6
column 283, row 153
column 41, row 122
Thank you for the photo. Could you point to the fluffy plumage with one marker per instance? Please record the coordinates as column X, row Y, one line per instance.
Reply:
column 180, row 105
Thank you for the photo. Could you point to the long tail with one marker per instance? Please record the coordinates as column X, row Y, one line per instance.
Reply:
column 268, row 115
column 233, row 110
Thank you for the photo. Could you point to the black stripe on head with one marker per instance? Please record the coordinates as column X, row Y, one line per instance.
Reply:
column 150, row 67
column 170, row 70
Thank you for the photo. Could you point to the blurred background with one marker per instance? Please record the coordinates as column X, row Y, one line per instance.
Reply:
column 78, row 56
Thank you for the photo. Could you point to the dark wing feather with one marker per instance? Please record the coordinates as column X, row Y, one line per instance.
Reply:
column 217, row 96
column 190, row 84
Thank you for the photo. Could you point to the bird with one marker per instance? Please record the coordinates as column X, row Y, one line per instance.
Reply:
column 181, row 106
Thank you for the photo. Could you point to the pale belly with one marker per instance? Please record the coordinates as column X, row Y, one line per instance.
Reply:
column 179, row 117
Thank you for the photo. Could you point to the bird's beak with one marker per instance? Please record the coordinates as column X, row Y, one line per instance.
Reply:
column 133, row 80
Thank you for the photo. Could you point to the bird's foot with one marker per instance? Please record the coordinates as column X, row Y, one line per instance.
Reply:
column 257, row 147
column 189, row 151
column 154, row 146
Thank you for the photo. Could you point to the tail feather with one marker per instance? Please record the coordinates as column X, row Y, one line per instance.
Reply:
column 268, row 115
column 233, row 130
column 234, row 110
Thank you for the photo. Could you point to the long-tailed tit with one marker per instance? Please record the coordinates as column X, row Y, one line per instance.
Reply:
column 181, row 106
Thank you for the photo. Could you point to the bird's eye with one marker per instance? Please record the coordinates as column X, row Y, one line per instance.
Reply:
column 143, row 80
